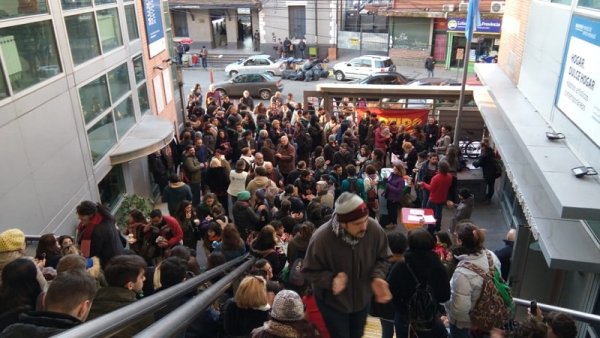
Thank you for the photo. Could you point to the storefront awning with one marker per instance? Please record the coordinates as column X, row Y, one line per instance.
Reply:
column 148, row 136
column 554, row 201
column 214, row 4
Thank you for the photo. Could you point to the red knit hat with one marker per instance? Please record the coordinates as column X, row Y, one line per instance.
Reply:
column 350, row 207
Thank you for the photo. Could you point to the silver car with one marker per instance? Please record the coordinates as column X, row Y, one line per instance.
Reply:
column 256, row 64
column 361, row 67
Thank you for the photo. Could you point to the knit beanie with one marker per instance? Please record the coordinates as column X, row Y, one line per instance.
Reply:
column 12, row 240
column 350, row 207
column 287, row 306
column 243, row 195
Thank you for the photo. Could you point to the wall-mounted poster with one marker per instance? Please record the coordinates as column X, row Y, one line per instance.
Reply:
column 578, row 96
column 155, row 33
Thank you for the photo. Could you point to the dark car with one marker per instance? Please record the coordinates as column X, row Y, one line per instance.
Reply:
column 387, row 78
column 434, row 81
column 259, row 85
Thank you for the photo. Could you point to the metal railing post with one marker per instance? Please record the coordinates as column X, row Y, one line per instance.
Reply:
column 183, row 316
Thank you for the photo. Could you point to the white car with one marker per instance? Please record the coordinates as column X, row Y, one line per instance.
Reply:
column 256, row 64
column 363, row 66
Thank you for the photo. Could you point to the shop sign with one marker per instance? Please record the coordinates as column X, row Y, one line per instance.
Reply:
column 487, row 25
column 577, row 96
column 154, row 26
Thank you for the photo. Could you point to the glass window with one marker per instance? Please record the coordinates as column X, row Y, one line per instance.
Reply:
column 124, row 116
column 138, row 68
column 3, row 87
column 82, row 37
column 180, row 23
column 30, row 53
column 103, row 2
column 565, row 2
column 118, row 81
column 10, row 9
column 102, row 137
column 71, row 4
column 130, row 18
column 112, row 187
column 94, row 98
column 109, row 29
column 588, row 3
column 411, row 33
column 143, row 98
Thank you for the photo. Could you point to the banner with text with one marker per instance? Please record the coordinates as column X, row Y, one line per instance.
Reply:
column 577, row 96
column 407, row 117
column 154, row 26
column 485, row 26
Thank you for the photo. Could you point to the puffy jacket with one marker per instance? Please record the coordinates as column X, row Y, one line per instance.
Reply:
column 245, row 218
column 465, row 287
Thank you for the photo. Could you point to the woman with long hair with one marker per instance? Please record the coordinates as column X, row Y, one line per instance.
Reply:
column 466, row 284
column 232, row 245
column 188, row 219
column 208, row 201
column 394, row 189
column 49, row 249
column 19, row 290
column 217, row 179
column 265, row 246
column 142, row 236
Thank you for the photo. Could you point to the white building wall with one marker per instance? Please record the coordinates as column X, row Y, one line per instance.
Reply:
column 540, row 72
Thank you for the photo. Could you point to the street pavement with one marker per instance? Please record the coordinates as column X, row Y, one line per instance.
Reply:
column 193, row 75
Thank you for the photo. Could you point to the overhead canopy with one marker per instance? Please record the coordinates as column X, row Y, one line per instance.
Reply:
column 214, row 4
column 148, row 136
column 554, row 201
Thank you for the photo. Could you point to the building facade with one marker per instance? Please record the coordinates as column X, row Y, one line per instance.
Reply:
column 86, row 92
column 418, row 29
column 216, row 24
column 545, row 82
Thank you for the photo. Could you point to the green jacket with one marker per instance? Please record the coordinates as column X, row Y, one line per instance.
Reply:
column 193, row 169
column 111, row 298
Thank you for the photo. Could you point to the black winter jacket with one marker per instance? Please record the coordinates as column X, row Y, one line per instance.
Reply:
column 40, row 324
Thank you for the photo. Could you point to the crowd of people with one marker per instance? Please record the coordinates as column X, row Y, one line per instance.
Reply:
column 313, row 195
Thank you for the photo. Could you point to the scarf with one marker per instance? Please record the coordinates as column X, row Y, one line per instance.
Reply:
column 86, row 231
column 341, row 233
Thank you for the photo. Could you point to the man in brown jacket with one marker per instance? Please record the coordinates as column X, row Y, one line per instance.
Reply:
column 286, row 156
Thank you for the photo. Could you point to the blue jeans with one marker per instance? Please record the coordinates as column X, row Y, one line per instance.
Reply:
column 455, row 332
column 204, row 62
column 437, row 213
column 343, row 325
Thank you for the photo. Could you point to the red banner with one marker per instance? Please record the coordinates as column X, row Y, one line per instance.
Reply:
column 406, row 117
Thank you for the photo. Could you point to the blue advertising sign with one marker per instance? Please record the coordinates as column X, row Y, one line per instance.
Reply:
column 154, row 26
column 577, row 96
column 487, row 25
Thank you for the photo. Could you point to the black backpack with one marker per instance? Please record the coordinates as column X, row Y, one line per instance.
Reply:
column 422, row 307
column 353, row 186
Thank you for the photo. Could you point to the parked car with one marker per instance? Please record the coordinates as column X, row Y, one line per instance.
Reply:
column 256, row 64
column 434, row 81
column 363, row 66
column 259, row 85
column 387, row 78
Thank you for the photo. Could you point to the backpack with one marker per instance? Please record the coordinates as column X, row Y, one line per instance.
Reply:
column 183, row 175
column 422, row 306
column 491, row 310
column 353, row 186
column 372, row 198
column 296, row 277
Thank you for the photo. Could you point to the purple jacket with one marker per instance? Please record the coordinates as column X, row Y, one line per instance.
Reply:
column 394, row 186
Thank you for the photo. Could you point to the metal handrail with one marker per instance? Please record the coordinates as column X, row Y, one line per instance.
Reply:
column 184, row 315
column 117, row 320
column 576, row 315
